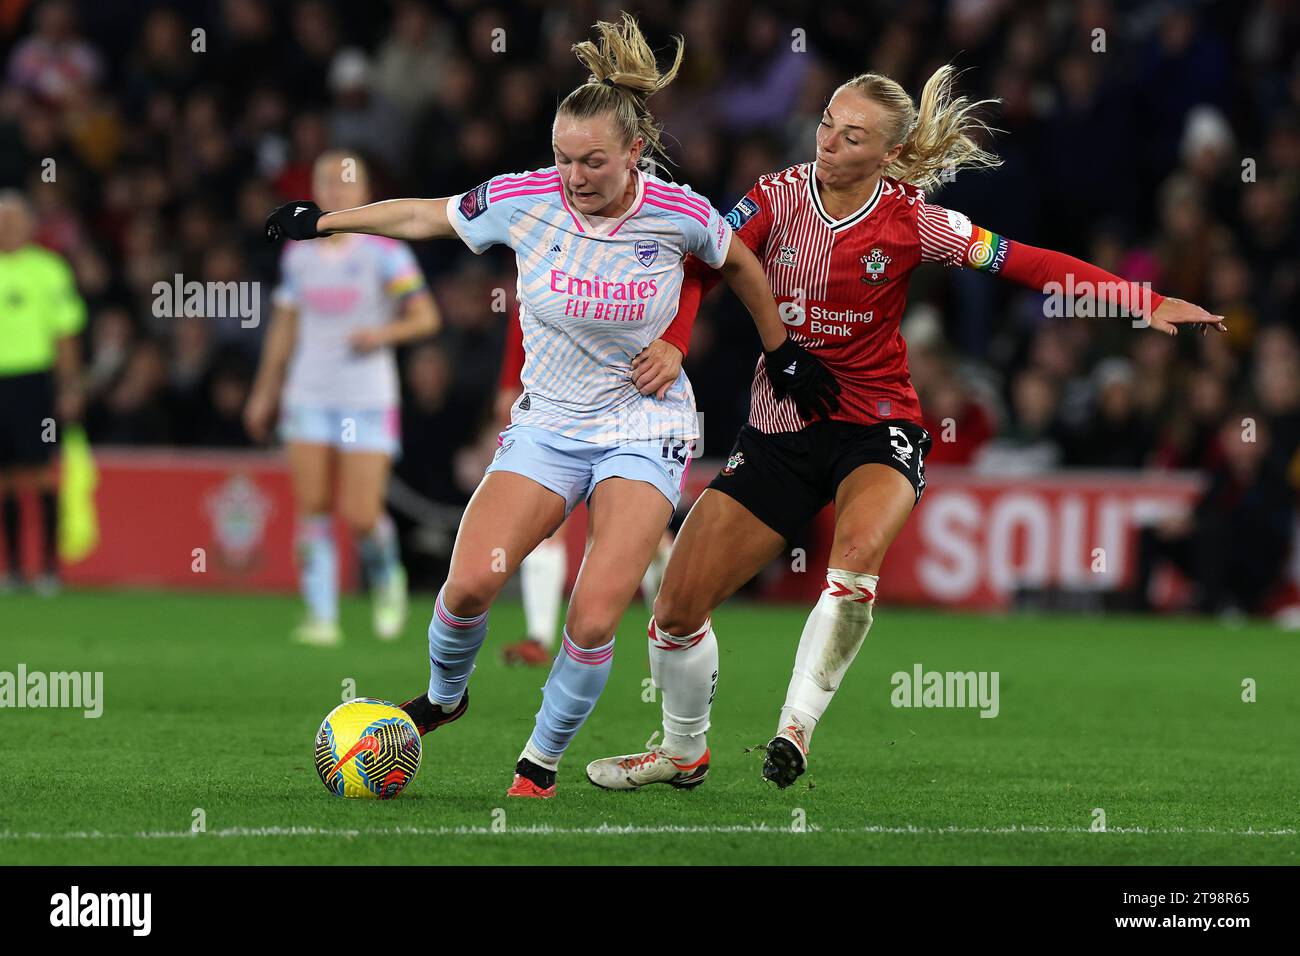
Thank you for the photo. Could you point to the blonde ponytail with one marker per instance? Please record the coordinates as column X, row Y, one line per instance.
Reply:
column 937, row 135
column 624, row 74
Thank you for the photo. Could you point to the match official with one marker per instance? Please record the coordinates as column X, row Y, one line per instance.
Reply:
column 41, row 316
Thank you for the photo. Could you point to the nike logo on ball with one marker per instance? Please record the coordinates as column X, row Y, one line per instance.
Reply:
column 368, row 743
column 300, row 209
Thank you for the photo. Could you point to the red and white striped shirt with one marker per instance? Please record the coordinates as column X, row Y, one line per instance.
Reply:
column 841, row 285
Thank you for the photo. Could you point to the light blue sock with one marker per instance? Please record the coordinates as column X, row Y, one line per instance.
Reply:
column 379, row 551
column 318, row 566
column 577, row 678
column 453, row 644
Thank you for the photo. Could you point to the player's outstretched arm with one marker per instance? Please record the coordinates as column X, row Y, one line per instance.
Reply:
column 395, row 218
column 949, row 237
column 1041, row 268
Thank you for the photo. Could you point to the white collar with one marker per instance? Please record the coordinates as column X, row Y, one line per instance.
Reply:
column 857, row 216
column 605, row 226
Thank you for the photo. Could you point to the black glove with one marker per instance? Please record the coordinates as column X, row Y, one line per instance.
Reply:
column 796, row 372
column 293, row 220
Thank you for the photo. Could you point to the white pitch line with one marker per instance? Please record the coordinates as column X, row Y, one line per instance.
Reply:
column 613, row 830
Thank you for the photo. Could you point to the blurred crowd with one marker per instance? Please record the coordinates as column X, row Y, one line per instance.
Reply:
column 1158, row 140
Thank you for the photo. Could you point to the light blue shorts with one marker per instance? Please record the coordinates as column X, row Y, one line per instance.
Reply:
column 347, row 429
column 572, row 468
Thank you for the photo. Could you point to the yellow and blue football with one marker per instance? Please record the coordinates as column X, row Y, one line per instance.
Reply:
column 367, row 748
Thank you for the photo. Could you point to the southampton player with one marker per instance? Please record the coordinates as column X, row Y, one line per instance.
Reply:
column 839, row 239
column 599, row 245
column 341, row 306
column 543, row 572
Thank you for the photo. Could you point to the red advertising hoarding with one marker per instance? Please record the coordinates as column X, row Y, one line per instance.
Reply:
column 191, row 520
column 973, row 540
column 225, row 520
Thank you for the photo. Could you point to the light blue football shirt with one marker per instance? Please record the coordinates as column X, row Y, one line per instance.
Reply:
column 593, row 292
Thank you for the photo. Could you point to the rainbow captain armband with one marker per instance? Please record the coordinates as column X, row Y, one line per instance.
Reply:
column 405, row 284
column 985, row 251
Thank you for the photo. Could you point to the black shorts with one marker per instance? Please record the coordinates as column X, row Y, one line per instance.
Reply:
column 786, row 478
column 26, row 411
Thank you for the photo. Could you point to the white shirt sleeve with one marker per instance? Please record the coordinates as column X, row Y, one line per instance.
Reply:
column 482, row 216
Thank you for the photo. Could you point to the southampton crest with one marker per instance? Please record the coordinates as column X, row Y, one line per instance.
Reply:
column 875, row 263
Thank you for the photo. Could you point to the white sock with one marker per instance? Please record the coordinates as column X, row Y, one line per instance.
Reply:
column 541, row 576
column 836, row 628
column 685, row 669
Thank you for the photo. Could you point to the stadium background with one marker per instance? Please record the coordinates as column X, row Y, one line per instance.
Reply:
column 1173, row 157
column 1069, row 434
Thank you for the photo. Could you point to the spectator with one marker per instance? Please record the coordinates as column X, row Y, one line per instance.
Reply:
column 167, row 160
column 361, row 118
column 1277, row 388
column 228, row 387
column 135, row 409
column 1234, row 542
column 433, row 420
column 764, row 83
column 55, row 64
column 1188, row 440
column 1114, row 436
column 958, row 423
column 409, row 68
column 1029, row 445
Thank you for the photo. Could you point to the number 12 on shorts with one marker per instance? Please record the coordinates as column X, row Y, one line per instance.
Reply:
column 678, row 450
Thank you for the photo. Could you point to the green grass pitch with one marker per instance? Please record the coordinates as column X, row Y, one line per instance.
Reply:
column 208, row 707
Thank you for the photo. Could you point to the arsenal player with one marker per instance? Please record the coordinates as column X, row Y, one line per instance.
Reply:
column 599, row 244
column 543, row 572
column 838, row 239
